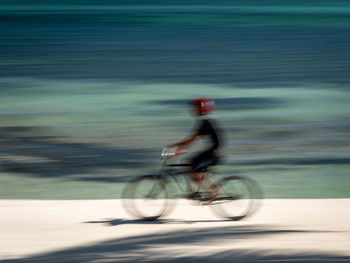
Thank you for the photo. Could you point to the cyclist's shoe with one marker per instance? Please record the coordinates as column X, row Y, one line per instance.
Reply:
column 193, row 196
column 210, row 199
column 215, row 191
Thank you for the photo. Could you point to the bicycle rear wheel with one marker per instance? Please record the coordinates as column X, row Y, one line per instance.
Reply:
column 146, row 198
column 239, row 198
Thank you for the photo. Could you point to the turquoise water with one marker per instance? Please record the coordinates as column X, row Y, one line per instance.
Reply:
column 91, row 91
column 251, row 43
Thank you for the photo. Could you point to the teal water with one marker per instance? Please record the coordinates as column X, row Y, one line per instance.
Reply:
column 90, row 91
column 247, row 43
column 79, row 139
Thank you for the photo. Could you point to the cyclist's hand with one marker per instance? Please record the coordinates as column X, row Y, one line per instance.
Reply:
column 179, row 151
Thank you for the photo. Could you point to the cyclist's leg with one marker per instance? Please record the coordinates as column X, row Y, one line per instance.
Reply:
column 200, row 165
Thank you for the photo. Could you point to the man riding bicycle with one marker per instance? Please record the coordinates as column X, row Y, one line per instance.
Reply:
column 231, row 197
column 204, row 128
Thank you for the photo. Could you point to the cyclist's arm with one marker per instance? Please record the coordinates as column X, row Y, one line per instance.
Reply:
column 185, row 142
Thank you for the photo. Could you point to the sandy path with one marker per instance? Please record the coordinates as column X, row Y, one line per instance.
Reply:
column 100, row 231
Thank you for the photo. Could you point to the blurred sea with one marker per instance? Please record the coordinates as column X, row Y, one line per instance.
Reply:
column 90, row 91
column 250, row 43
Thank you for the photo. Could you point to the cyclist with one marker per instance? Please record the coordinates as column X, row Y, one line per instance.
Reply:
column 204, row 127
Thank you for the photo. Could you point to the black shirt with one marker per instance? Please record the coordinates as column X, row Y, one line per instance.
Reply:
column 208, row 128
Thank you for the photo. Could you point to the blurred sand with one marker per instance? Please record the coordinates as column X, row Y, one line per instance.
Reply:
column 309, row 230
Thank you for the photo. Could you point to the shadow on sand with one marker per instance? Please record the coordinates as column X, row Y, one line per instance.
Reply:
column 118, row 221
column 173, row 247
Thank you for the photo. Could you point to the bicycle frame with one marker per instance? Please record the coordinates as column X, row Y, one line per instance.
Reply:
column 242, row 192
column 168, row 171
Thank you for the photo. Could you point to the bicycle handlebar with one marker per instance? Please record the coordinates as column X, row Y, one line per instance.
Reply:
column 165, row 152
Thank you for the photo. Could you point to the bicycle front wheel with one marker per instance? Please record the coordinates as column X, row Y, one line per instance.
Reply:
column 146, row 198
column 238, row 197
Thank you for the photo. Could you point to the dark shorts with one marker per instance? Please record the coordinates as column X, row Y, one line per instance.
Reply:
column 202, row 161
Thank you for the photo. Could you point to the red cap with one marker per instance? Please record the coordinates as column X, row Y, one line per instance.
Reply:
column 204, row 104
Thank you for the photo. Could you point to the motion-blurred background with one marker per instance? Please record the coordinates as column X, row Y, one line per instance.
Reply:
column 90, row 91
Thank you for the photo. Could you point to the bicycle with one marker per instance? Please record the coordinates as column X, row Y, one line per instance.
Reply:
column 150, row 197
